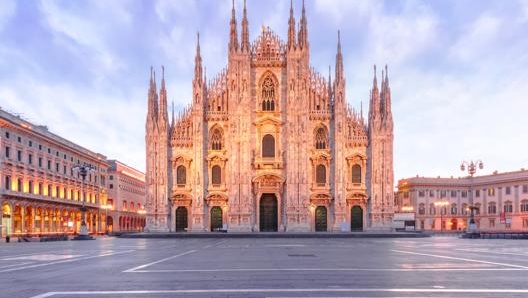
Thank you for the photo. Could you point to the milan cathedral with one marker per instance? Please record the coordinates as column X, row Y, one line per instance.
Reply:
column 269, row 145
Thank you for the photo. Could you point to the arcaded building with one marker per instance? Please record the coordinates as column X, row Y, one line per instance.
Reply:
column 269, row 144
column 500, row 201
column 40, row 190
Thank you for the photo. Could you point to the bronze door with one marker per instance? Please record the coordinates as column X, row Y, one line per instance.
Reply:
column 181, row 219
column 356, row 219
column 216, row 218
column 320, row 219
column 268, row 213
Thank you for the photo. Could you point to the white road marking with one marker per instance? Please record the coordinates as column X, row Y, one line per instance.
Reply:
column 289, row 290
column 493, row 252
column 285, row 245
column 43, row 257
column 18, row 264
column 64, row 261
column 159, row 261
column 320, row 269
column 461, row 259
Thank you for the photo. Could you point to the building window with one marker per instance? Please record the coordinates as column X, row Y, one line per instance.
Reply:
column 7, row 182
column 477, row 193
column 491, row 191
column 421, row 209
column 40, row 188
column 525, row 188
column 421, row 193
column 40, row 162
column 320, row 174
column 492, row 222
column 453, row 193
column 40, row 147
column 49, row 190
column 464, row 193
column 49, row 164
column 57, row 167
column 7, row 134
column 268, row 146
column 268, row 95
column 464, row 209
column 125, row 206
column 7, row 151
column 507, row 190
column 477, row 208
column 111, row 186
column 19, row 139
column 181, row 176
column 443, row 193
column 111, row 177
column 432, row 209
column 30, row 185
column 524, row 206
column 19, row 155
column 431, row 193
column 20, row 185
column 216, row 173
column 525, row 222
column 492, row 208
column 320, row 139
column 216, row 139
column 508, row 207
column 30, row 159
column 454, row 209
column 356, row 174
column 49, row 150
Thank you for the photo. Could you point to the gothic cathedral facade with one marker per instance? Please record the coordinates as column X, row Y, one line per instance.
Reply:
column 269, row 145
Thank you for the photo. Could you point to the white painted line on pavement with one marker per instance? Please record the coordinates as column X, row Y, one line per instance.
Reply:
column 159, row 261
column 18, row 264
column 433, row 269
column 64, row 261
column 289, row 290
column 285, row 245
column 461, row 259
column 493, row 252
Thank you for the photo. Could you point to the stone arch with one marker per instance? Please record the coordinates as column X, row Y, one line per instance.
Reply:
column 321, row 140
column 216, row 138
column 269, row 92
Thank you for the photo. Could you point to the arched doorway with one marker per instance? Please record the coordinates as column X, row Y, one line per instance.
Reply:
column 454, row 224
column 216, row 218
column 6, row 220
column 109, row 224
column 268, row 213
column 320, row 219
column 356, row 219
column 181, row 219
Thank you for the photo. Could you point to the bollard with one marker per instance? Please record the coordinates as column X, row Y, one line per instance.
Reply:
column 8, row 239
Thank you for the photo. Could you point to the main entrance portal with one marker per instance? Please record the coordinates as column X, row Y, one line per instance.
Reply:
column 181, row 219
column 356, row 219
column 268, row 213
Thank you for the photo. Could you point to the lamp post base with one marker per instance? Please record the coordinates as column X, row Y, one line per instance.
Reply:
column 83, row 234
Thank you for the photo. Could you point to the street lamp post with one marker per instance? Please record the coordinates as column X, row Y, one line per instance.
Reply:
column 83, row 170
column 471, row 169
column 441, row 204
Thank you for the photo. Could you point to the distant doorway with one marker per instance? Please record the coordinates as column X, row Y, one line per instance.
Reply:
column 181, row 219
column 320, row 219
column 268, row 213
column 356, row 219
column 454, row 224
column 216, row 219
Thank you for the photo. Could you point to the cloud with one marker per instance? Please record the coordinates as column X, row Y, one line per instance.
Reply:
column 478, row 38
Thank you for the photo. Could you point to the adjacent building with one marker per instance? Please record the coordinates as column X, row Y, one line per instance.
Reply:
column 125, row 205
column 500, row 201
column 41, row 192
column 269, row 144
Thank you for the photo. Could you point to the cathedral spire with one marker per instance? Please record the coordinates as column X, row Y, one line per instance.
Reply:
column 198, row 61
column 374, row 100
column 303, row 30
column 163, row 98
column 339, row 73
column 245, row 31
column 387, row 95
column 233, row 35
column 152, row 97
column 291, row 29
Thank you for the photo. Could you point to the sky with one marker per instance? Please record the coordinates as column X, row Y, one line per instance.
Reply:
column 458, row 69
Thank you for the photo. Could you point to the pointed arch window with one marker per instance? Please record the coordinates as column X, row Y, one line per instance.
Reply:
column 268, row 146
column 268, row 94
column 320, row 174
column 321, row 139
column 356, row 174
column 216, row 139
column 181, row 176
column 216, row 175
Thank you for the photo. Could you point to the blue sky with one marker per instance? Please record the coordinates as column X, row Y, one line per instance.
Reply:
column 458, row 69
